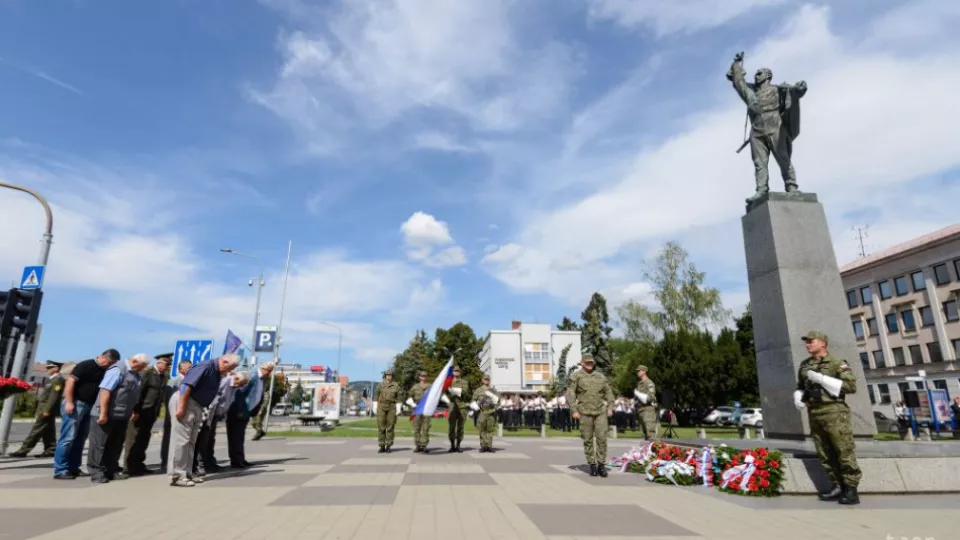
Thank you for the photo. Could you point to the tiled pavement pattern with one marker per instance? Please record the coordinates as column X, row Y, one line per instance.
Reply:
column 341, row 488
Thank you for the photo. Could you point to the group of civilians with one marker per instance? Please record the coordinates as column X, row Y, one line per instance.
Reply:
column 115, row 404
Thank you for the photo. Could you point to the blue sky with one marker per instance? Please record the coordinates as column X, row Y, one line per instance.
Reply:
column 436, row 161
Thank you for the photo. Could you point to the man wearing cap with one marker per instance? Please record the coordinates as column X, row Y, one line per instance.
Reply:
column 421, row 423
column 48, row 405
column 458, row 391
column 485, row 405
column 646, row 394
column 591, row 400
column 823, row 381
column 110, row 416
column 387, row 400
column 153, row 382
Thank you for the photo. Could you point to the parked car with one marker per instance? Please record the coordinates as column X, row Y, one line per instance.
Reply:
column 719, row 416
column 752, row 417
column 280, row 410
column 885, row 424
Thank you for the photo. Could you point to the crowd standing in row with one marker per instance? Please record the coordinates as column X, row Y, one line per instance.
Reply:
column 115, row 405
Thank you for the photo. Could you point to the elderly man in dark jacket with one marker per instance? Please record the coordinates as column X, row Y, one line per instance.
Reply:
column 153, row 384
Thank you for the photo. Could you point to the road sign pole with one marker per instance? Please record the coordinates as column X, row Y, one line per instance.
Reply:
column 277, row 338
column 256, row 313
column 6, row 418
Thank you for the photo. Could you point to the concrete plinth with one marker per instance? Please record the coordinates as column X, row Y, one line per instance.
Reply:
column 795, row 287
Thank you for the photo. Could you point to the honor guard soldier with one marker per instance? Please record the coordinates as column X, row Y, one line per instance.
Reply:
column 485, row 405
column 591, row 400
column 459, row 391
column 646, row 394
column 823, row 381
column 387, row 399
column 48, row 405
column 421, row 423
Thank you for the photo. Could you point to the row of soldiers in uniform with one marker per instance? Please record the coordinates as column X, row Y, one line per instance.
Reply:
column 514, row 412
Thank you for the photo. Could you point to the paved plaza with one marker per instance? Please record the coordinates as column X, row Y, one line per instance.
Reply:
column 319, row 488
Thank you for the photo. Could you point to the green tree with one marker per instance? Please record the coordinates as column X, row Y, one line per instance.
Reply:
column 560, row 379
column 568, row 325
column 687, row 363
column 412, row 360
column 628, row 355
column 298, row 395
column 686, row 304
column 461, row 342
column 595, row 332
column 748, row 386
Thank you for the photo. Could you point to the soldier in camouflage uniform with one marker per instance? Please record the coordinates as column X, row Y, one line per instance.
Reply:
column 829, row 416
column 45, row 424
column 421, row 423
column 646, row 394
column 591, row 400
column 458, row 409
column 387, row 398
column 486, row 408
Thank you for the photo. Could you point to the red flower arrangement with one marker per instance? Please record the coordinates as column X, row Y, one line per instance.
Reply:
column 10, row 386
column 757, row 473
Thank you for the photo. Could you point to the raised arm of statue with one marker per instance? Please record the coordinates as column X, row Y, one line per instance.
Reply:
column 740, row 84
column 800, row 89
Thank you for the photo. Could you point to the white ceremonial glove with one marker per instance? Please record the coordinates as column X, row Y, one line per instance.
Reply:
column 456, row 391
column 411, row 403
column 493, row 396
column 815, row 377
column 445, row 399
column 374, row 407
column 399, row 408
column 474, row 406
column 831, row 385
column 798, row 400
column 641, row 396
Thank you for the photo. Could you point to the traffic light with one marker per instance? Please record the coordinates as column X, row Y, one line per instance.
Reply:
column 7, row 299
column 23, row 310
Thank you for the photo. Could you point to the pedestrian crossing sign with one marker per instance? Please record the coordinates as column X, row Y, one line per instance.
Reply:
column 32, row 277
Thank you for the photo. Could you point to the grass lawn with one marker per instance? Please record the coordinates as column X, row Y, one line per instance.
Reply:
column 367, row 428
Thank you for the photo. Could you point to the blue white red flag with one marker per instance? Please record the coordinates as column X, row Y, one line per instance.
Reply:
column 232, row 343
column 428, row 403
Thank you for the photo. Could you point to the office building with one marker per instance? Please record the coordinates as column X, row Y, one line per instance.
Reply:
column 903, row 305
column 524, row 358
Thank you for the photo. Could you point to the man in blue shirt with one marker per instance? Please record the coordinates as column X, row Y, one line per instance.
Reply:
column 197, row 392
column 110, row 414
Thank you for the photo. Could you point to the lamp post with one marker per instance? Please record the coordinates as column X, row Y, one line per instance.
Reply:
column 260, row 284
column 278, row 340
column 6, row 418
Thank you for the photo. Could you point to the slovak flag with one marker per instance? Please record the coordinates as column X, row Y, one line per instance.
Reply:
column 428, row 403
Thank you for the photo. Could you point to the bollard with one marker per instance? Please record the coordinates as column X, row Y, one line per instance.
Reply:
column 613, row 432
column 909, row 436
column 760, row 434
column 543, row 431
column 925, row 433
column 500, row 430
column 746, row 433
column 701, row 433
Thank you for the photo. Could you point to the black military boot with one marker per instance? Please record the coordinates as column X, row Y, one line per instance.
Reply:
column 593, row 470
column 601, row 470
column 453, row 448
column 459, row 451
column 849, row 496
column 388, row 449
column 832, row 494
column 382, row 449
column 18, row 453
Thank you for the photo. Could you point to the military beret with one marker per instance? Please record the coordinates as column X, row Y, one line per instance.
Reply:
column 51, row 363
column 587, row 359
column 388, row 372
column 164, row 355
column 456, row 368
column 815, row 334
column 423, row 373
column 642, row 368
column 486, row 377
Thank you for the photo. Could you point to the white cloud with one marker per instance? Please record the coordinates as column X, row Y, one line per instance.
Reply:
column 677, row 16
column 435, row 140
column 367, row 63
column 867, row 138
column 429, row 241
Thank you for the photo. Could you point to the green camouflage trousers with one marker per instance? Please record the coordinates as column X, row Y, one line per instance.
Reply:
column 647, row 419
column 486, row 424
column 832, row 435
column 456, row 420
column 386, row 421
column 594, row 426
column 421, row 430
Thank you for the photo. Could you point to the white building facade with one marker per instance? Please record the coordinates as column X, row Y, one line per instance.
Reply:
column 524, row 359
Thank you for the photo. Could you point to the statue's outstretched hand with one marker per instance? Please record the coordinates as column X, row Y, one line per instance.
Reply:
column 738, row 57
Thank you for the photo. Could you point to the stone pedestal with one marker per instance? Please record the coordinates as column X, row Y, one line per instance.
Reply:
column 795, row 287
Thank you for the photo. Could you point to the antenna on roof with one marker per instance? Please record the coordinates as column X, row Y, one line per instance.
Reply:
column 862, row 235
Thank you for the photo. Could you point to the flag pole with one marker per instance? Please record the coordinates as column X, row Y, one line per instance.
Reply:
column 278, row 339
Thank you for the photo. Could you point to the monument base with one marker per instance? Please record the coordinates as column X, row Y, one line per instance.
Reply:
column 795, row 287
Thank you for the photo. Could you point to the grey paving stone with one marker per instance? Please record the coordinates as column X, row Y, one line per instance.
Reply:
column 47, row 482
column 356, row 469
column 445, row 479
column 340, row 496
column 518, row 466
column 613, row 478
column 253, row 478
column 867, row 502
column 24, row 523
column 600, row 520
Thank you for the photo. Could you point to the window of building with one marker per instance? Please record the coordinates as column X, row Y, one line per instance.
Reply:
column 865, row 360
column 903, row 387
column 940, row 384
column 933, row 350
column 892, row 327
column 885, row 292
column 956, row 268
column 898, row 358
column 950, row 311
column 872, row 327
column 884, row 391
column 852, row 299
column 536, row 352
column 956, row 348
column 941, row 274
column 873, row 395
column 866, row 295
column 916, row 355
column 909, row 324
column 858, row 329
column 536, row 373
column 919, row 283
column 900, row 283
column 926, row 316
column 878, row 359
column 918, row 385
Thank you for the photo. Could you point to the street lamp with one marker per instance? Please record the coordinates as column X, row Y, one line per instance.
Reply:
column 339, row 344
column 260, row 284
